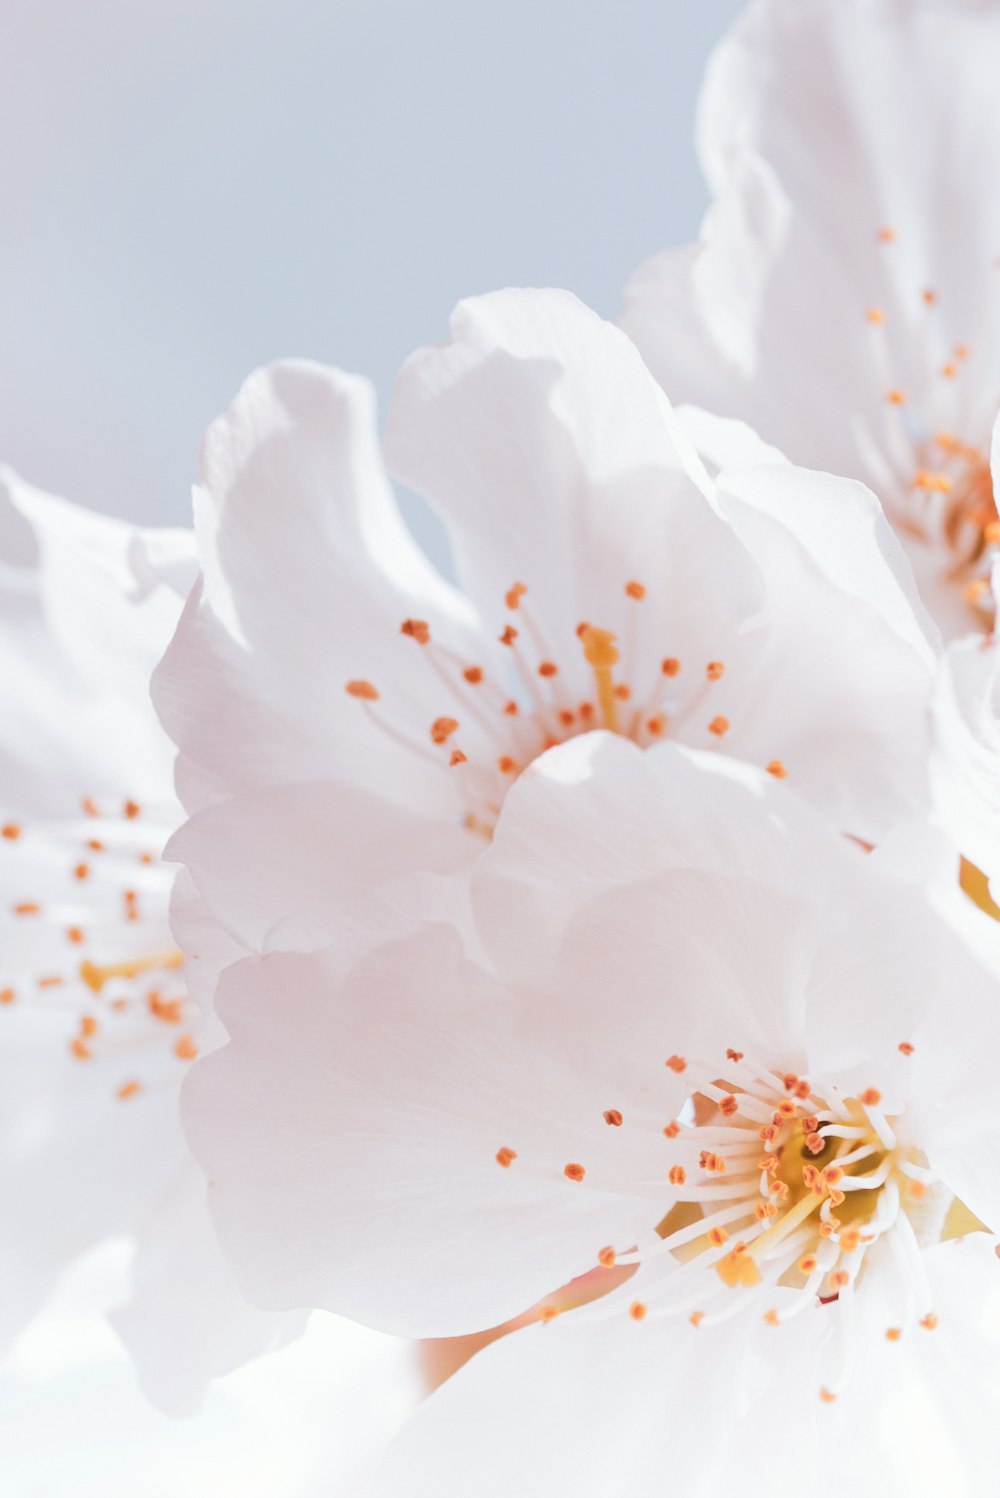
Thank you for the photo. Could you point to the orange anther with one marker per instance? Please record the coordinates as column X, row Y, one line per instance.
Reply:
column 574, row 1172
column 416, row 629
column 670, row 666
column 509, row 635
column 185, row 1048
column 10, row 830
column 832, row 1174
column 613, row 1117
column 623, row 691
column 362, row 689
column 719, row 725
column 929, row 1322
column 677, row 1175
column 606, row 1258
column 778, row 1188
column 815, row 1143
column 511, row 709
column 656, row 725
column 672, row 1129
column 473, row 675
column 566, row 717
column 949, row 370
column 827, row 1397
column 790, row 1081
column 131, row 902
column 81, row 871
column 131, row 809
column 728, row 1106
column 896, row 397
column 586, row 711
column 930, row 297
column 28, row 907
column 635, row 590
column 548, row 668
column 893, row 1333
column 771, row 1318
column 738, row 1268
column 735, row 1056
column 763, row 1210
column 871, row 1097
column 90, row 806
column 916, row 1189
column 51, row 981
column 457, row 757
column 676, row 1063
column 886, row 236
column 95, row 845
column 80, row 1049
column 505, row 1156
column 637, row 1310
column 785, row 1109
column 715, row 670
column 7, row 996
column 88, row 1025
column 810, row 1177
column 717, row 1237
column 838, row 1279
column 513, row 596
column 696, row 1318
column 849, row 1239
column 442, row 729
column 506, row 765
column 875, row 315
column 905, row 1048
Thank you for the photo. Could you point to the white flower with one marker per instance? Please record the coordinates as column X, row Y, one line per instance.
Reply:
column 845, row 297
column 345, row 717
column 97, row 1023
column 709, row 1039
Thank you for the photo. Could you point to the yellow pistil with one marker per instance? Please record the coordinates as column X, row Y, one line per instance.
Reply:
column 602, row 655
column 96, row 976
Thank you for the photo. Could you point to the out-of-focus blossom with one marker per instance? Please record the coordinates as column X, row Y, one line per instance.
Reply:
column 308, row 1421
column 845, row 296
column 98, row 1021
column 709, row 1040
column 345, row 718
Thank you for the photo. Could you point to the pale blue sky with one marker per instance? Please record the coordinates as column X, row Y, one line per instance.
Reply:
column 191, row 187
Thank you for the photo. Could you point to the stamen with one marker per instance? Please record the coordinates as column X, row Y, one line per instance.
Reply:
column 96, row 976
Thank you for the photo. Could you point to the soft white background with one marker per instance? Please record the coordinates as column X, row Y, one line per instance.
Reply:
column 189, row 188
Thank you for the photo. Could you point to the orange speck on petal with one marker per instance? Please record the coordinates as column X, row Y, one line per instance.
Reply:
column 81, row 871
column 676, row 1064
column 506, row 765
column 10, row 830
column 7, row 996
column 656, row 725
column 838, row 1279
column 505, row 1156
column 442, row 729
column 929, row 1322
column 28, row 907
column 696, row 1318
column 90, row 806
column 930, row 297
column 719, row 726
column 416, row 629
column 886, row 236
column 635, row 590
column 916, row 1189
column 893, row 1333
column 613, row 1117
column 80, row 1049
column 129, row 1089
column 875, row 315
column 670, row 666
column 362, row 689
column 51, row 982
column 827, row 1397
column 88, row 1025
column 574, row 1172
column 131, row 902
column 896, row 397
column 771, row 1317
column 185, row 1048
column 131, row 809
column 548, row 1313
column 637, row 1310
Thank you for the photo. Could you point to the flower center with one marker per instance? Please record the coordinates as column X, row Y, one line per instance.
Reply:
column 936, row 485
column 489, row 728
column 94, row 890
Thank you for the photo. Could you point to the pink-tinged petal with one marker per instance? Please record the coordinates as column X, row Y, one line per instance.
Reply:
column 185, row 1323
column 395, row 1144
column 308, row 574
column 540, row 437
column 306, row 858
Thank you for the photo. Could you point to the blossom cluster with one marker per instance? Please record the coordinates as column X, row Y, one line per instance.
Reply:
column 587, row 966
